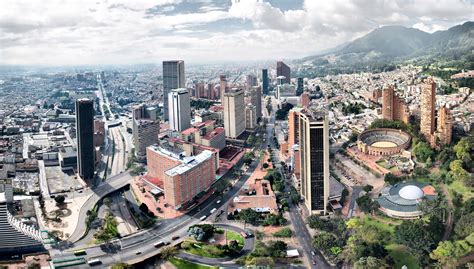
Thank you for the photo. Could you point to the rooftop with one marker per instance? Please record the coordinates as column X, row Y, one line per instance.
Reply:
column 189, row 163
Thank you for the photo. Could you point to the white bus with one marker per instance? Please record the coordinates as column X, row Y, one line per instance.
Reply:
column 213, row 210
column 159, row 244
column 94, row 262
column 203, row 218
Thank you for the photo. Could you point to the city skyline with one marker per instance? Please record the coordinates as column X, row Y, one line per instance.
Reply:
column 131, row 32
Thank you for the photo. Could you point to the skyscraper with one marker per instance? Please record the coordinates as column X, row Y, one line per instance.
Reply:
column 146, row 128
column 179, row 109
column 173, row 78
column 265, row 81
column 256, row 100
column 293, row 126
column 427, row 108
column 284, row 70
column 250, row 117
column 223, row 87
column 85, row 138
column 314, row 160
column 234, row 113
column 250, row 81
column 393, row 106
column 444, row 131
column 300, row 86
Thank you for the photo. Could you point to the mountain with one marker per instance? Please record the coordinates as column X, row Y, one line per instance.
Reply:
column 389, row 45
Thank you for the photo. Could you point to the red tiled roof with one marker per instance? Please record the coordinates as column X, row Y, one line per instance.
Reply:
column 189, row 131
column 215, row 132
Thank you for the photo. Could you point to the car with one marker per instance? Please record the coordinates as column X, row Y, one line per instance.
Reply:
column 312, row 253
column 218, row 201
column 314, row 262
column 175, row 237
column 138, row 252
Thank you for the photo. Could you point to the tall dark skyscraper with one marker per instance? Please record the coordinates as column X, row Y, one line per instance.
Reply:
column 314, row 160
column 299, row 86
column 85, row 135
column 284, row 70
column 265, row 81
column 173, row 78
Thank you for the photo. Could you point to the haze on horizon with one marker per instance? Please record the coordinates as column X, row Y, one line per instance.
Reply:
column 198, row 31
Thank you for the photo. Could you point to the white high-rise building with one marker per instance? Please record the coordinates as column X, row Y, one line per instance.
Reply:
column 234, row 113
column 179, row 109
column 250, row 117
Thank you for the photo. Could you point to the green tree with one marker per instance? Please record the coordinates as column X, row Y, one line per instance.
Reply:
column 59, row 199
column 265, row 165
column 465, row 225
column 277, row 249
column 463, row 150
column 367, row 205
column 417, row 236
column 324, row 241
column 168, row 252
column 458, row 173
column 261, row 261
column 422, row 151
column 285, row 232
column 249, row 215
column 370, row 263
column 448, row 253
column 368, row 188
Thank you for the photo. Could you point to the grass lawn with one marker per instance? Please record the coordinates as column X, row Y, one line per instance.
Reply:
column 205, row 250
column 379, row 224
column 459, row 187
column 182, row 264
column 402, row 256
column 231, row 235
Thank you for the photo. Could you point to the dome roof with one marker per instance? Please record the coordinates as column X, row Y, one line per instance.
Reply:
column 411, row 192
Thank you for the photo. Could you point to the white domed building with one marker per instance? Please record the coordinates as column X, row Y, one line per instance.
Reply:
column 401, row 200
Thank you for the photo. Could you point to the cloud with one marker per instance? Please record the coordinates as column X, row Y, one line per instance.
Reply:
column 135, row 31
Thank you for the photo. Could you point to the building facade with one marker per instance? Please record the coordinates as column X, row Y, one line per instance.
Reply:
column 265, row 81
column 285, row 71
column 85, row 138
column 173, row 78
column 250, row 117
column 427, row 108
column 234, row 113
column 179, row 109
column 256, row 100
column 314, row 160
column 394, row 106
column 183, row 176
column 444, row 131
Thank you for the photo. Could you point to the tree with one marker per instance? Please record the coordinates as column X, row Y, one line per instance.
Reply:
column 168, row 252
column 463, row 150
column 370, row 263
column 324, row 241
column 265, row 165
column 422, row 151
column 122, row 265
column 416, row 236
column 367, row 205
column 368, row 188
column 60, row 199
column 285, row 232
column 249, row 215
column 250, row 139
column 144, row 208
column 448, row 253
column 261, row 261
column 277, row 249
column 458, row 173
column 392, row 179
column 465, row 225
column 107, row 201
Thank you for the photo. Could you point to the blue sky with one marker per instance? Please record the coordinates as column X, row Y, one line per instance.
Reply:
column 70, row 32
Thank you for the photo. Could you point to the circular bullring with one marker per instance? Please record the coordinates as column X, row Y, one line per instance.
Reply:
column 383, row 141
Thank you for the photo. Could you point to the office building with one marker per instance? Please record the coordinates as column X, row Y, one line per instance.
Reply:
column 146, row 129
column 181, row 176
column 234, row 113
column 179, row 109
column 314, row 160
column 256, row 99
column 250, row 117
column 250, row 81
column 99, row 133
column 305, row 99
column 265, row 82
column 173, row 78
column 394, row 106
column 85, row 138
column 223, row 87
column 427, row 108
column 444, row 131
column 293, row 126
column 299, row 86
column 283, row 70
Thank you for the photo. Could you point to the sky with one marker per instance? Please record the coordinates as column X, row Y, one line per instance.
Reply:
column 83, row 32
